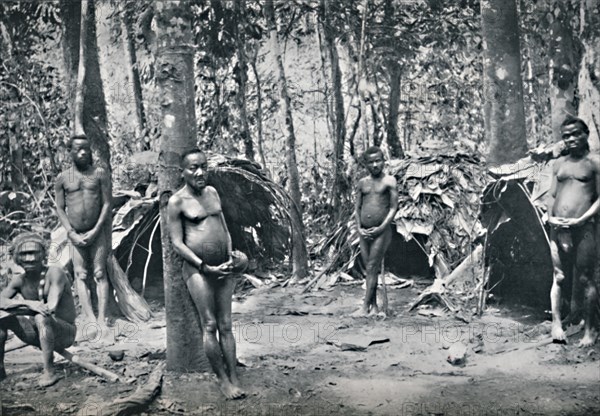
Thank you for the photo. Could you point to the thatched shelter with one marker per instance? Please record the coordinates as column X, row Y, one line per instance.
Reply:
column 437, row 220
column 255, row 208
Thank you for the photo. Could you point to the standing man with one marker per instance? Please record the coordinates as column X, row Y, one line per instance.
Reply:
column 83, row 200
column 576, row 189
column 200, row 236
column 375, row 208
column 47, row 299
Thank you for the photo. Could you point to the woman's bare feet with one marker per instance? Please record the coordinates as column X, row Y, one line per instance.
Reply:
column 558, row 335
column 231, row 391
column 374, row 310
column 362, row 312
column 48, row 378
column 589, row 338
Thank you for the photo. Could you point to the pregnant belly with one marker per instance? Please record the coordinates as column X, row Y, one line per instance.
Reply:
column 209, row 241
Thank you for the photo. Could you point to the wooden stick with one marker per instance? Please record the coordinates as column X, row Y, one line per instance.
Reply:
column 16, row 346
column 546, row 341
column 75, row 359
column 139, row 400
column 384, row 288
column 93, row 368
column 317, row 277
column 149, row 255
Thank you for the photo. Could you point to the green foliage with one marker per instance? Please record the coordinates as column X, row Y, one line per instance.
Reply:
column 32, row 127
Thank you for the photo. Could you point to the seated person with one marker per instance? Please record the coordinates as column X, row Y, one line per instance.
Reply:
column 45, row 317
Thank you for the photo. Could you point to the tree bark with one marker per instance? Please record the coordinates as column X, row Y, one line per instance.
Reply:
column 175, row 76
column 259, row 127
column 394, row 71
column 95, row 122
column 564, row 67
column 326, row 93
column 393, row 141
column 338, row 103
column 79, row 90
column 299, row 255
column 504, row 112
column 134, row 74
column 239, row 9
column 589, row 73
column 362, row 143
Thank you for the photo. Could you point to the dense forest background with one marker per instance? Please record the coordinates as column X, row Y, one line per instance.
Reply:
column 407, row 75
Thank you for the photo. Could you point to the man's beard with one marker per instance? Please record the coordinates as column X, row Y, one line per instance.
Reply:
column 84, row 163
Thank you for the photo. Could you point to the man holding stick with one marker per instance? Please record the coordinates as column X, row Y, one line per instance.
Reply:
column 45, row 317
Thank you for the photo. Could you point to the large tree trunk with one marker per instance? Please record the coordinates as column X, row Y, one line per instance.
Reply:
column 362, row 143
column 239, row 10
column 326, row 93
column 175, row 75
column 564, row 66
column 395, row 71
column 393, row 141
column 338, row 103
column 299, row 255
column 134, row 74
column 259, row 128
column 94, row 104
column 589, row 73
column 504, row 112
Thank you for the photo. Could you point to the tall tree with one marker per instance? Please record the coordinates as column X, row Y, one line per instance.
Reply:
column 394, row 73
column 95, row 122
column 242, row 76
column 589, row 73
column 299, row 255
column 127, row 21
column 338, row 101
column 175, row 75
column 504, row 110
column 259, row 109
column 362, row 85
column 564, row 65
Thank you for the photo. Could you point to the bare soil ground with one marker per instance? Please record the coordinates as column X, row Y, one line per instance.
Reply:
column 303, row 354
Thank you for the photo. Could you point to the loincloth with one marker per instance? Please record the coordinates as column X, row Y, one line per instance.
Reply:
column 567, row 237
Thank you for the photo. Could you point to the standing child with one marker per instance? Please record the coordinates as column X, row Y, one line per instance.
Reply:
column 376, row 206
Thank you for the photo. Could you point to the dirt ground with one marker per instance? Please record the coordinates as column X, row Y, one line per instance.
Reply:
column 303, row 355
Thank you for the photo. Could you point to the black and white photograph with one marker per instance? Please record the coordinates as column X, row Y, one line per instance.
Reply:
column 300, row 207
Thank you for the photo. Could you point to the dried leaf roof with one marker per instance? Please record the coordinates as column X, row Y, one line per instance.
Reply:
column 438, row 197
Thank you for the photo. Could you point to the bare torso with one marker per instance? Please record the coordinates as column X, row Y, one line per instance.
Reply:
column 83, row 197
column 375, row 201
column 66, row 305
column 575, row 187
column 203, row 229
